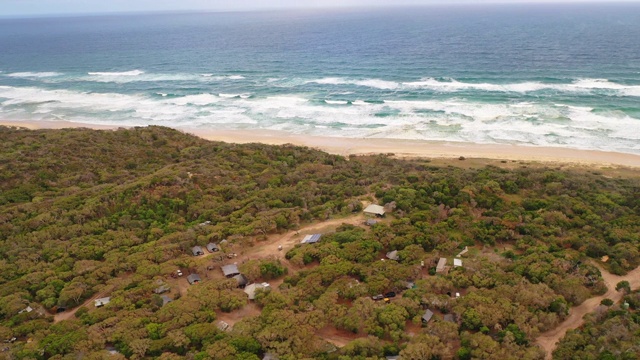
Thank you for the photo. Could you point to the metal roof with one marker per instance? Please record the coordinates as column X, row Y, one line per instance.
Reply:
column 427, row 316
column 102, row 301
column 230, row 270
column 241, row 279
column 250, row 290
column 311, row 239
column 197, row 250
column 166, row 299
column 374, row 209
column 161, row 289
column 193, row 278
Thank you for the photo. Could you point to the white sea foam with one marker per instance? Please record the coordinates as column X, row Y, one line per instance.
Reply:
column 373, row 83
column 604, row 84
column 525, row 122
column 121, row 73
column 597, row 84
column 29, row 74
column 379, row 84
column 634, row 91
column 329, row 81
column 579, row 85
column 72, row 100
column 137, row 76
column 231, row 96
column 141, row 76
column 200, row 99
column 453, row 85
column 336, row 102
column 223, row 77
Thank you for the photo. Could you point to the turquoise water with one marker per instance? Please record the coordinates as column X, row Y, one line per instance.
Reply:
column 561, row 75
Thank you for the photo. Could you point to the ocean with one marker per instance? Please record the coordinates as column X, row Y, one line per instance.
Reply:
column 536, row 75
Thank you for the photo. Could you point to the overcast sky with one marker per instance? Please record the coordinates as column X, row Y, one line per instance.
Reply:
column 44, row 7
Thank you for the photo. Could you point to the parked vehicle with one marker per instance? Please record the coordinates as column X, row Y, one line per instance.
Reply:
column 377, row 297
column 390, row 294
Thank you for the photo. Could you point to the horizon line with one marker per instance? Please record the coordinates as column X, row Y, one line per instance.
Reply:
column 316, row 8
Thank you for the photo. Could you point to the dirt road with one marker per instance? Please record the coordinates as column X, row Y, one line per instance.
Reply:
column 291, row 238
column 70, row 313
column 338, row 337
column 262, row 249
column 269, row 248
column 251, row 309
column 549, row 339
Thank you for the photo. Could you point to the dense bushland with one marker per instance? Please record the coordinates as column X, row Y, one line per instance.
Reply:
column 86, row 212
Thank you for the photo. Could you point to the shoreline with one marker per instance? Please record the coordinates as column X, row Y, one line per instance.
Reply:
column 398, row 147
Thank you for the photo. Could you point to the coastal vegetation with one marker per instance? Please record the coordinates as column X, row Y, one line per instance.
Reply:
column 608, row 333
column 88, row 214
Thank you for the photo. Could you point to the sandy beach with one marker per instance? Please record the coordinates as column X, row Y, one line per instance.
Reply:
column 398, row 147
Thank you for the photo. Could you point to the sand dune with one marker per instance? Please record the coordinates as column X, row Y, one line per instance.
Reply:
column 399, row 147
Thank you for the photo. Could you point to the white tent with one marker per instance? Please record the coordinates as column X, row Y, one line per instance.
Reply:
column 374, row 210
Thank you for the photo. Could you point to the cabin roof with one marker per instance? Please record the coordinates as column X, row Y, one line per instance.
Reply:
column 193, row 278
column 165, row 300
column 374, row 209
column 161, row 289
column 102, row 301
column 197, row 250
column 393, row 255
column 241, row 279
column 427, row 315
column 250, row 290
column 230, row 270
column 311, row 239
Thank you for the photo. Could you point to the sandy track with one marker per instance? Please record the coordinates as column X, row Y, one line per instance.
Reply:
column 291, row 238
column 231, row 318
column 338, row 337
column 70, row 313
column 549, row 339
column 269, row 248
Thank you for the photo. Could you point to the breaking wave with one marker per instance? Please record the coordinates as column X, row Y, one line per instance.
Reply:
column 520, row 122
column 453, row 85
column 29, row 74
